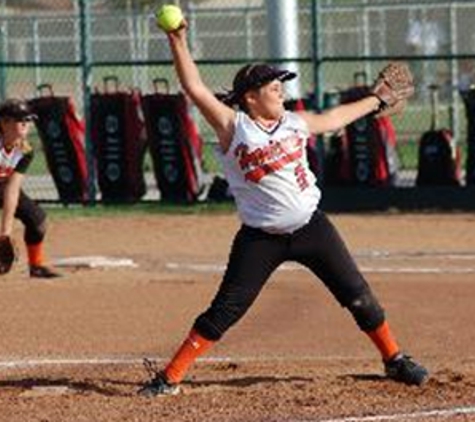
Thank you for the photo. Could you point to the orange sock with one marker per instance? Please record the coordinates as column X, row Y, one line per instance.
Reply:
column 35, row 254
column 384, row 341
column 194, row 346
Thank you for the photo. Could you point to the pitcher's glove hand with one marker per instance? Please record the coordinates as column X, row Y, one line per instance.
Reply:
column 393, row 86
column 8, row 254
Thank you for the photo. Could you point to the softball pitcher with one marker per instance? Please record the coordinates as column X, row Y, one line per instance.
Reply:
column 264, row 160
column 15, row 157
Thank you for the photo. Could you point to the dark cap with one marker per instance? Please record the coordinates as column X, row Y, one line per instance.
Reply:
column 16, row 109
column 253, row 76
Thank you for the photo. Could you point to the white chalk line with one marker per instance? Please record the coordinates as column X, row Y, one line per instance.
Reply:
column 219, row 268
column 13, row 363
column 365, row 254
column 452, row 255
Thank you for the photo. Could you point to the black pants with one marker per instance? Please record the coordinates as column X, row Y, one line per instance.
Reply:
column 255, row 254
column 31, row 215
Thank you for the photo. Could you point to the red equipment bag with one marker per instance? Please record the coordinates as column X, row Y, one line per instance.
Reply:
column 118, row 137
column 175, row 145
column 469, row 101
column 337, row 167
column 371, row 143
column 337, row 160
column 62, row 135
column 438, row 159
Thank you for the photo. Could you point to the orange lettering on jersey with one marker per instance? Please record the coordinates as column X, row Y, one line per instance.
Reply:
column 268, row 159
column 6, row 172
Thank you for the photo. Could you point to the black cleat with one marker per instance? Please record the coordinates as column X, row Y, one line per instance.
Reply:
column 159, row 386
column 40, row 271
column 402, row 368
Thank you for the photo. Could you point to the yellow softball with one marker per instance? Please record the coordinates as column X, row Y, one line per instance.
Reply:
column 169, row 17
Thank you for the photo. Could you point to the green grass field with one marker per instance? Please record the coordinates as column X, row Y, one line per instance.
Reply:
column 99, row 210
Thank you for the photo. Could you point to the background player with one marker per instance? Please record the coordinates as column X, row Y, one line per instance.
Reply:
column 16, row 155
column 264, row 160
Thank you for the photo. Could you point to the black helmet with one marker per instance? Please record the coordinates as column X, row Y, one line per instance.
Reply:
column 16, row 109
column 254, row 76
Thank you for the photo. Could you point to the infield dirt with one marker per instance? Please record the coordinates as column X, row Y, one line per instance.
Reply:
column 71, row 349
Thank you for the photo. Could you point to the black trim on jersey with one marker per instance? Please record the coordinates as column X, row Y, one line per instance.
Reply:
column 265, row 130
column 24, row 163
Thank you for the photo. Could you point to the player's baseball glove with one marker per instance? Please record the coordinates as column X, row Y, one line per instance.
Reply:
column 393, row 86
column 8, row 254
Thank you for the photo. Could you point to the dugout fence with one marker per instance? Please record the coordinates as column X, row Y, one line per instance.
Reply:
column 74, row 44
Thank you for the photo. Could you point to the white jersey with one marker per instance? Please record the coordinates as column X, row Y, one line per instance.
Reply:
column 13, row 160
column 269, row 175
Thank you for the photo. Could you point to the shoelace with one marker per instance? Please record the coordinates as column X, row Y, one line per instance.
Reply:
column 400, row 357
column 411, row 365
column 408, row 360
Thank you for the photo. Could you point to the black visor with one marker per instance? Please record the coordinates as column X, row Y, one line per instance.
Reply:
column 253, row 77
column 17, row 110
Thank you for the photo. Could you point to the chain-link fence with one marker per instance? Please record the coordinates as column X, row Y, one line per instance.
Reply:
column 74, row 45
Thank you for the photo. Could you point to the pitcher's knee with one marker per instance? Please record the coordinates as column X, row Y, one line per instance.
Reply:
column 366, row 311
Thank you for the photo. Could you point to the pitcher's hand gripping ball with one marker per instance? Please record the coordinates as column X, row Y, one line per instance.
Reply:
column 8, row 254
column 169, row 17
column 393, row 86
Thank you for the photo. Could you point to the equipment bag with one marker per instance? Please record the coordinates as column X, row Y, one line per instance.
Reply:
column 337, row 160
column 337, row 167
column 118, row 137
column 371, row 143
column 175, row 145
column 61, row 134
column 469, row 101
column 438, row 160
